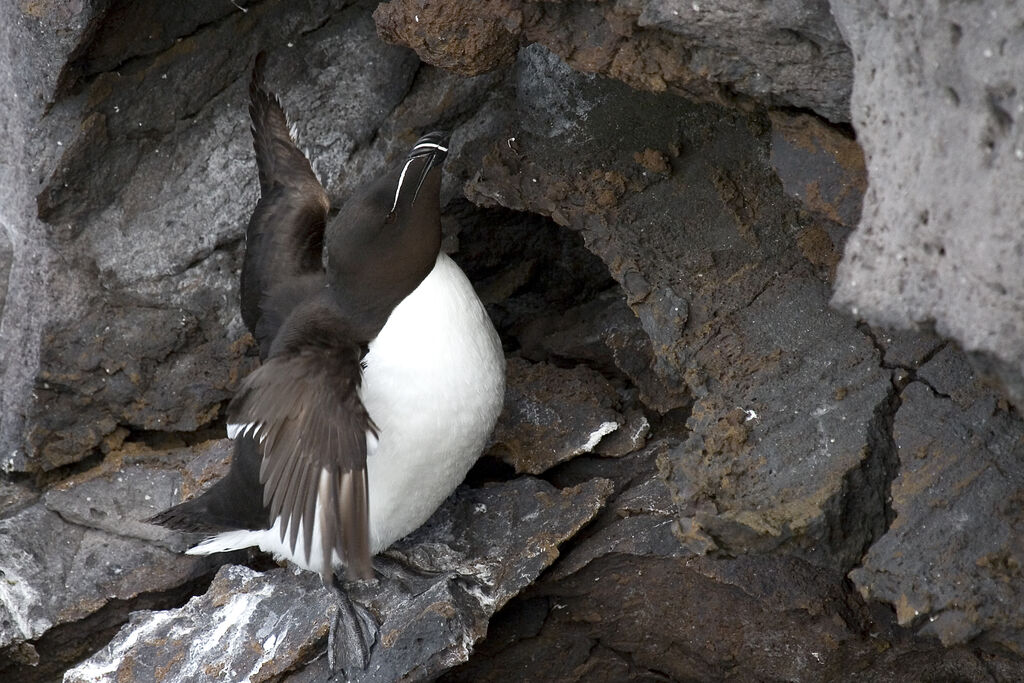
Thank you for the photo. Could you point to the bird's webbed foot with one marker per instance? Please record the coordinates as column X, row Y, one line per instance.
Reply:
column 351, row 637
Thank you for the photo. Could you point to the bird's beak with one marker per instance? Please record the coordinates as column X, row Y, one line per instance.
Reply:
column 427, row 154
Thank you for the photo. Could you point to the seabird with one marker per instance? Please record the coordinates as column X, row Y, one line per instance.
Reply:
column 381, row 377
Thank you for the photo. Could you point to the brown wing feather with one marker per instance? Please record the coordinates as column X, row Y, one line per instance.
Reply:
column 312, row 426
column 280, row 160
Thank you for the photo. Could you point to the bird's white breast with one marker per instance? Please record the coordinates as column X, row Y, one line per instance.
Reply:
column 434, row 384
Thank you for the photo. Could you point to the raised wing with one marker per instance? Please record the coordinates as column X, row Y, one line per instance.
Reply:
column 303, row 407
column 285, row 235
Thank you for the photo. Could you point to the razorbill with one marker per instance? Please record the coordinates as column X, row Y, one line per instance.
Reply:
column 381, row 377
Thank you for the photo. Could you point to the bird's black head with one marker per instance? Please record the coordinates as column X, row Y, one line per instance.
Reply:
column 386, row 237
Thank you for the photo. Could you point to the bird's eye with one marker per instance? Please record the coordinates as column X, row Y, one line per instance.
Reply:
column 390, row 218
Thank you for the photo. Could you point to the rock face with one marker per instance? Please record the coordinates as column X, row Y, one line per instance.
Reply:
column 423, row 616
column 703, row 471
column 788, row 53
column 957, row 502
column 938, row 111
column 552, row 415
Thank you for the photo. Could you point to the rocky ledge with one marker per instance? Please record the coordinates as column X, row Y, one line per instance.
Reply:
column 754, row 267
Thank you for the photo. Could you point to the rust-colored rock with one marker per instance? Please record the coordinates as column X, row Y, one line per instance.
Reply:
column 820, row 166
column 468, row 38
column 951, row 563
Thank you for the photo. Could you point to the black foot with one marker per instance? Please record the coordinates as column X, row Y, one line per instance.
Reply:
column 351, row 637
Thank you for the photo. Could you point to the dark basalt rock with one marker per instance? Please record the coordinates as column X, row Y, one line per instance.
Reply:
column 141, row 214
column 951, row 562
column 735, row 315
column 629, row 602
column 790, row 493
column 791, row 436
column 782, row 54
column 425, row 611
column 80, row 551
column 757, row 618
column 606, row 334
column 824, row 169
column 552, row 415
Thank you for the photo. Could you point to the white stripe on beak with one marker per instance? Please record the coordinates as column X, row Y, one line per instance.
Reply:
column 417, row 151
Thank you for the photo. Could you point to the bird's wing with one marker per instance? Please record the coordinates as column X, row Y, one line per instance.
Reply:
column 285, row 235
column 303, row 407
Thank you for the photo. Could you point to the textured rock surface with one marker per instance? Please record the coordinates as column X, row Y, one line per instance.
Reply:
column 731, row 308
column 631, row 161
column 938, row 109
column 274, row 618
column 781, row 53
column 467, row 38
column 606, row 334
column 641, row 519
column 629, row 602
column 42, row 44
column 656, row 239
column 139, row 248
column 552, row 415
column 786, row 53
column 951, row 561
column 746, row 619
column 820, row 166
column 424, row 614
column 79, row 554
column 793, row 436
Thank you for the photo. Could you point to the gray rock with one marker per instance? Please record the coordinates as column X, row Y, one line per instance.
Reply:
column 553, row 414
column 148, row 182
column 248, row 626
column 620, row 619
column 628, row 602
column 629, row 437
column 787, row 52
column 15, row 495
column 6, row 257
column 782, row 53
column 907, row 349
column 480, row 549
column 680, row 268
column 937, row 109
column 83, row 545
column 648, row 618
column 821, row 167
column 951, row 562
column 641, row 519
column 789, row 449
column 40, row 42
column 57, row 573
column 123, row 491
column 733, row 309
column 715, row 230
column 606, row 334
